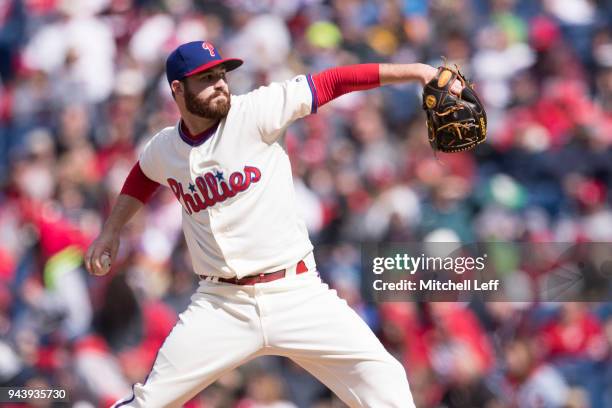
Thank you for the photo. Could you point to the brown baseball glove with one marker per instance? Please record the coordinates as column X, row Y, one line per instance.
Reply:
column 454, row 123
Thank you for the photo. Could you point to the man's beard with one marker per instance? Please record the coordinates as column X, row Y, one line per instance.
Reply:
column 206, row 109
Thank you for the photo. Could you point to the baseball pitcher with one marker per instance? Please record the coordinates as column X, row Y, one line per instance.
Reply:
column 259, row 292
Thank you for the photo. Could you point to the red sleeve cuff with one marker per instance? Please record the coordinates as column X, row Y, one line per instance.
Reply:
column 138, row 185
column 335, row 82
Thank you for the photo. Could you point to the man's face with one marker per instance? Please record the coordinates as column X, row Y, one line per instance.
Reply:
column 207, row 94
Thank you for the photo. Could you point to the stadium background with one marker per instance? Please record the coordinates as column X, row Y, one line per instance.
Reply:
column 82, row 87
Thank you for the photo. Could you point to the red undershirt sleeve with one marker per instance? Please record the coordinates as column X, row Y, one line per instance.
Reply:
column 334, row 82
column 138, row 185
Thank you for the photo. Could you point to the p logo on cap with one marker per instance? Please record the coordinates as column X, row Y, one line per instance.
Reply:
column 208, row 46
column 194, row 57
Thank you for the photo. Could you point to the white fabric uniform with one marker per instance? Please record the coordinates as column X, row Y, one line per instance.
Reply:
column 239, row 219
column 257, row 230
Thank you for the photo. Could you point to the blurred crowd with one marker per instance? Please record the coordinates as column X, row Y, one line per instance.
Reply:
column 82, row 87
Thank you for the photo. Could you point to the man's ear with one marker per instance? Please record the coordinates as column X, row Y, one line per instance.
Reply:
column 177, row 87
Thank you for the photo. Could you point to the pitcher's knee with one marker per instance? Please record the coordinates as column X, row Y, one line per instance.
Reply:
column 397, row 372
column 398, row 390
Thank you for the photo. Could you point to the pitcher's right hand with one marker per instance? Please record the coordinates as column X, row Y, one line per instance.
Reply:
column 105, row 245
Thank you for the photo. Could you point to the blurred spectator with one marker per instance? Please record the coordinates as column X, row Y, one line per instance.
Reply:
column 575, row 344
column 530, row 383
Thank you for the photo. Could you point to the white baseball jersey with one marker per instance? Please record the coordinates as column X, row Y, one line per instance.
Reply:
column 235, row 184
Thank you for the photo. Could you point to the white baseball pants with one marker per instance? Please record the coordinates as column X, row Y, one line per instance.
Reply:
column 298, row 317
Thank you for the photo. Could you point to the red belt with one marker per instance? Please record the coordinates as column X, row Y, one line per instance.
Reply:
column 262, row 277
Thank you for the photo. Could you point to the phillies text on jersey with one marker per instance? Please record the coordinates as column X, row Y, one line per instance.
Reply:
column 211, row 188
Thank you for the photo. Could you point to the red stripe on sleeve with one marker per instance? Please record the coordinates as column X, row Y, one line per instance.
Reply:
column 138, row 185
column 335, row 82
